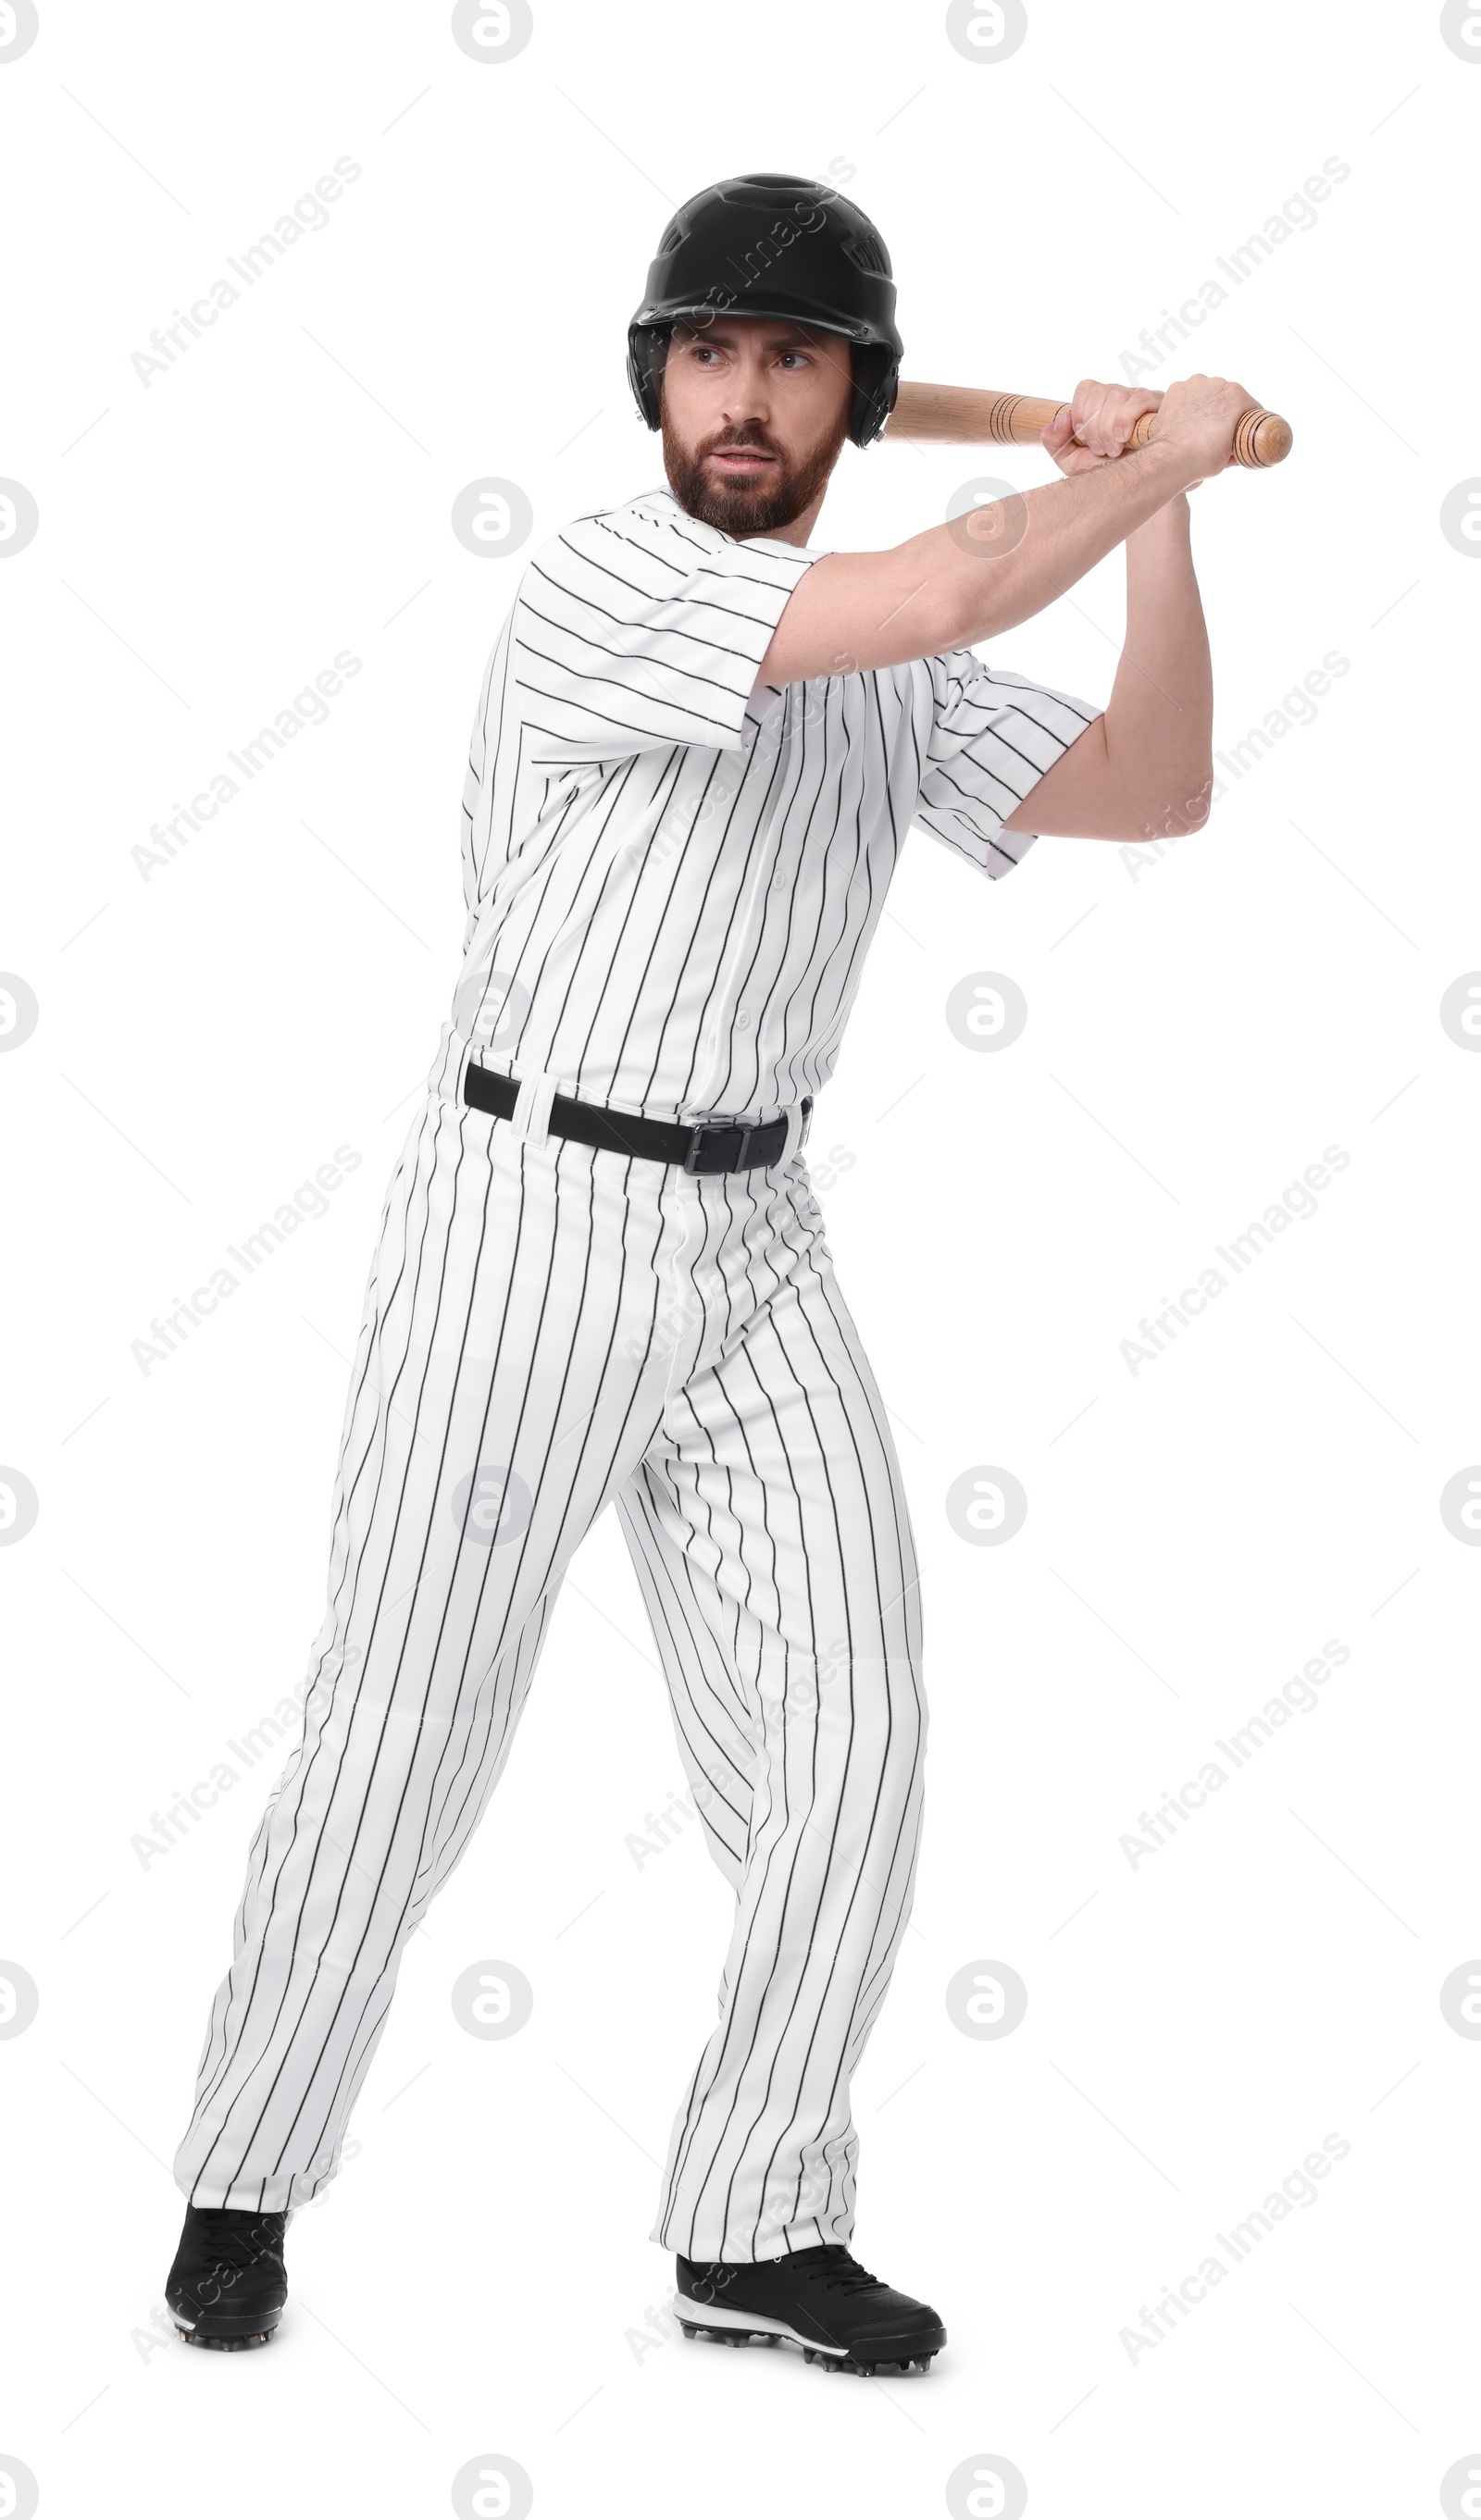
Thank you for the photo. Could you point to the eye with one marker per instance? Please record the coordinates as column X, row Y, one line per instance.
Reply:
column 798, row 358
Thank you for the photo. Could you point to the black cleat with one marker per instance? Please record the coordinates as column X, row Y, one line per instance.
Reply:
column 821, row 2299
column 228, row 2285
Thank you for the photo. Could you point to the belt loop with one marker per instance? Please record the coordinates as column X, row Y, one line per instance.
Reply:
column 530, row 1116
column 798, row 1117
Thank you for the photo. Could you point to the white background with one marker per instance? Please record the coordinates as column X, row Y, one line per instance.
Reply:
column 1200, row 1028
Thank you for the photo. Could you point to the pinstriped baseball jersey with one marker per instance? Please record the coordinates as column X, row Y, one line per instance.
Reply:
column 672, row 873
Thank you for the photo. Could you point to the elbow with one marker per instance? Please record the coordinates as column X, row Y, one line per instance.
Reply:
column 1176, row 810
column 971, row 602
column 957, row 620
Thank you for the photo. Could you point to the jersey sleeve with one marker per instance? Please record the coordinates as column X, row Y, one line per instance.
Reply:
column 632, row 630
column 993, row 736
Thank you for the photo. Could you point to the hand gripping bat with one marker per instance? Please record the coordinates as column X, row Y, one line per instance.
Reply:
column 964, row 416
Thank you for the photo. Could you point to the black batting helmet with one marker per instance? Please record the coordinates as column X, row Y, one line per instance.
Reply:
column 779, row 245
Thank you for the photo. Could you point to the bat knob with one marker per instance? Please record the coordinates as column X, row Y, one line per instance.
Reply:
column 1262, row 437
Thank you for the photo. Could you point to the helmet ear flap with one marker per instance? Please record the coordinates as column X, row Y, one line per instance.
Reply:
column 877, row 381
column 647, row 345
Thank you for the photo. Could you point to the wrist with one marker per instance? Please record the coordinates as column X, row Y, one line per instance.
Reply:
column 1171, row 463
column 1172, row 523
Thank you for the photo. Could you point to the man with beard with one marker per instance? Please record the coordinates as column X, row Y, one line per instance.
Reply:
column 601, row 1275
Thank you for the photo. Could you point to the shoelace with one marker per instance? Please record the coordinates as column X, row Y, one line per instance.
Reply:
column 845, row 2275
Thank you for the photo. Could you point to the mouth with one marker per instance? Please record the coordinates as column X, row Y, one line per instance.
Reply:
column 741, row 463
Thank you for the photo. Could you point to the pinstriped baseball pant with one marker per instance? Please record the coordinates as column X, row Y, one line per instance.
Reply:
column 548, row 1329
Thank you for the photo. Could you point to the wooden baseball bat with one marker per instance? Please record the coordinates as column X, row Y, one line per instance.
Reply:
column 966, row 415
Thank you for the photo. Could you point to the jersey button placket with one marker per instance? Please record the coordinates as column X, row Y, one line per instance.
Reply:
column 743, row 950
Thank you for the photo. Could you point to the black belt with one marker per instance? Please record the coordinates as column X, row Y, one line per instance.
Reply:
column 712, row 1147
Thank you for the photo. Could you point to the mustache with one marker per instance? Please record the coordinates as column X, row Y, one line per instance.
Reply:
column 751, row 434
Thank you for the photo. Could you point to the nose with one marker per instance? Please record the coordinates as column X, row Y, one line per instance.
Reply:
column 747, row 398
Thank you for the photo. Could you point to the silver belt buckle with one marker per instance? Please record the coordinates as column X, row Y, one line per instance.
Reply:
column 722, row 1128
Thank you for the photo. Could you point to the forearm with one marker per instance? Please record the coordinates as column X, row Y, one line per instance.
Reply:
column 948, row 588
column 1071, row 526
column 1158, row 723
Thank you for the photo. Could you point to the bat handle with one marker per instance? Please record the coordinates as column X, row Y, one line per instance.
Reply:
column 1261, row 437
column 969, row 415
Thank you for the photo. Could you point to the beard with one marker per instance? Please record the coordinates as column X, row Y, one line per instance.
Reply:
column 775, row 500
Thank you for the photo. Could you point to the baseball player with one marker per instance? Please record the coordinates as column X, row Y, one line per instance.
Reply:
column 602, row 1277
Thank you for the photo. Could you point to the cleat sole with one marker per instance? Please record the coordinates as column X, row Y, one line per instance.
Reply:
column 224, row 2344
column 727, row 2335
column 734, row 2326
column 888, row 2368
column 736, row 2329
column 222, row 2331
